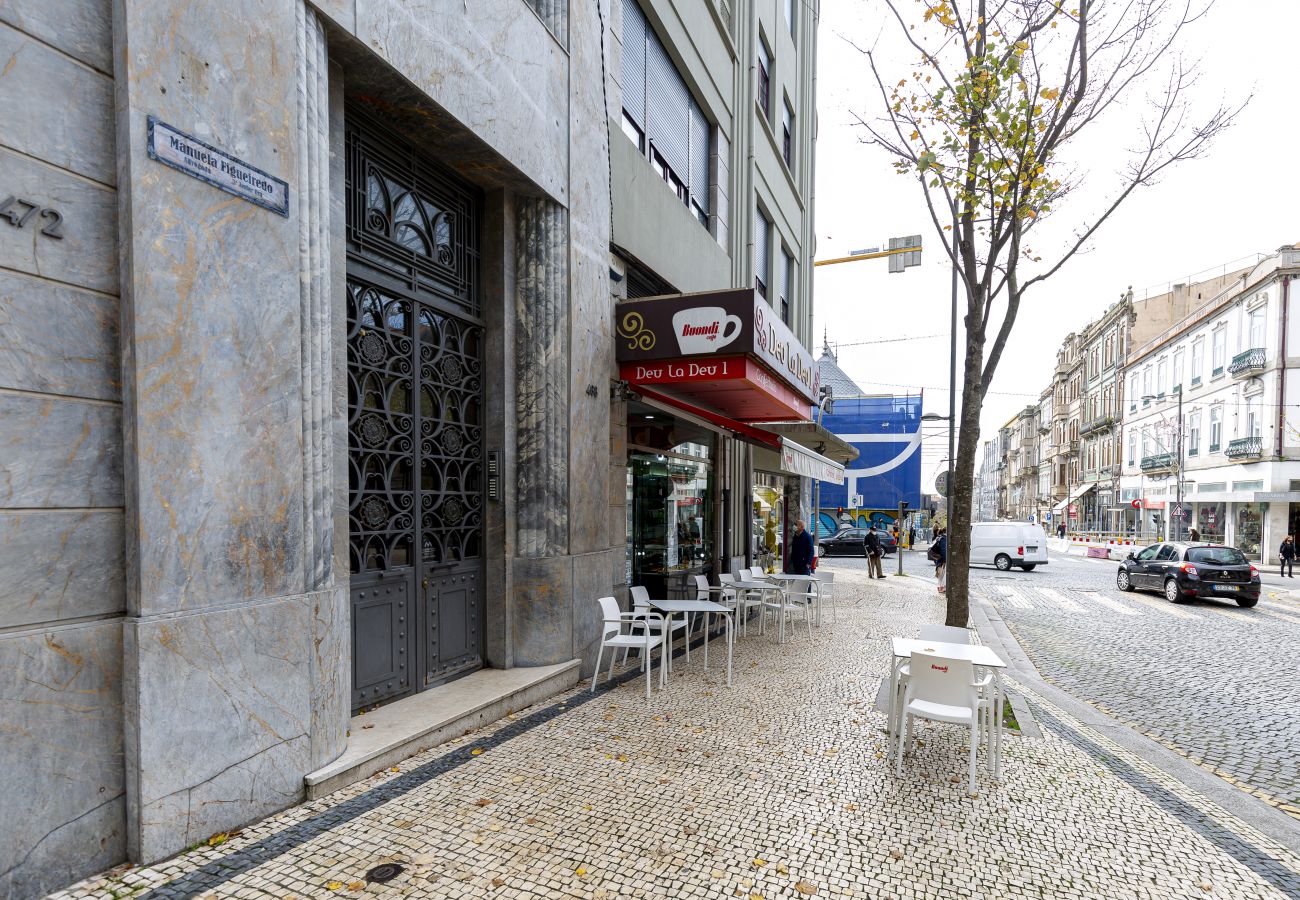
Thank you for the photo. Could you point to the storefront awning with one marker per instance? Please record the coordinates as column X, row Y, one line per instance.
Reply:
column 799, row 460
column 675, row 342
column 757, row 435
column 1074, row 495
column 816, row 438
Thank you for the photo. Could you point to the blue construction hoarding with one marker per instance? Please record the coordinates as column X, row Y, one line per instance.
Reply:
column 887, row 434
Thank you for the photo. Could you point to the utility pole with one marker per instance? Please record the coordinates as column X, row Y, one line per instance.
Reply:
column 898, row 548
column 1178, row 488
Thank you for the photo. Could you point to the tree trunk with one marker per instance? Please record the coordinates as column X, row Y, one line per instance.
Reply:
column 963, row 486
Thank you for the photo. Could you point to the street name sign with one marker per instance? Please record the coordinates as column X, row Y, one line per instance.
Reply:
column 200, row 160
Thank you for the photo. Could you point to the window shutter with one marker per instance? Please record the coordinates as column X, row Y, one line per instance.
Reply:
column 762, row 234
column 667, row 102
column 700, row 149
column 633, row 68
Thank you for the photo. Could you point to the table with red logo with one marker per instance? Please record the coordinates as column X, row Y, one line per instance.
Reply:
column 976, row 654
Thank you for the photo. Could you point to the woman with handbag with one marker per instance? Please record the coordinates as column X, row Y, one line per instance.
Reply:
column 938, row 554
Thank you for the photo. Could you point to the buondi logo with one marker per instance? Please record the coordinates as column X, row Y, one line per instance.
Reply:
column 705, row 329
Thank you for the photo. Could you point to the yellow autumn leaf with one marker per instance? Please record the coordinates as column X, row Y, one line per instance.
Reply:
column 476, row 751
column 805, row 887
column 782, row 869
column 357, row 886
column 759, row 863
column 1049, row 93
column 334, row 886
column 580, row 871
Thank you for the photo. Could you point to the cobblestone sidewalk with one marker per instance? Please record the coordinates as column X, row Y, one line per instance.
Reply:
column 776, row 787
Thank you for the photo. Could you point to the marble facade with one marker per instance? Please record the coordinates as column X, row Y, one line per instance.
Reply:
column 174, row 620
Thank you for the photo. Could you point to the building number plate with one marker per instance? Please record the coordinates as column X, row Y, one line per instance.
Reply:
column 21, row 212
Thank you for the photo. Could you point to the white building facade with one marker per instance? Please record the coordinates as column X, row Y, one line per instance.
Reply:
column 1232, row 364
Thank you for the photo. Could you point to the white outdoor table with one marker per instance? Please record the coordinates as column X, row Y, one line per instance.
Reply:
column 816, row 592
column 977, row 654
column 706, row 607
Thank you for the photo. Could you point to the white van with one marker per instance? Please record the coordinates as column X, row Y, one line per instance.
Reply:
column 1007, row 544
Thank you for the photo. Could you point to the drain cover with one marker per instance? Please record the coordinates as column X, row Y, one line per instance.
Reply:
column 385, row 872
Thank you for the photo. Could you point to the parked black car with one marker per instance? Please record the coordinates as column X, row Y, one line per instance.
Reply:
column 849, row 542
column 1182, row 571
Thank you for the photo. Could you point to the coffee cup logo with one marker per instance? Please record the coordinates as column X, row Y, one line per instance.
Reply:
column 705, row 329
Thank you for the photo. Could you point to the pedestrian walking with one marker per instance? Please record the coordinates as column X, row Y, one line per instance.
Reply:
column 1287, row 554
column 801, row 550
column 874, row 552
column 1193, row 534
column 911, row 537
column 1060, row 531
column 938, row 554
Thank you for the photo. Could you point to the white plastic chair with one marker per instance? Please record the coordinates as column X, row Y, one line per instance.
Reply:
column 948, row 634
column 826, row 583
column 786, row 602
column 641, row 604
column 738, row 599
column 944, row 690
column 613, row 636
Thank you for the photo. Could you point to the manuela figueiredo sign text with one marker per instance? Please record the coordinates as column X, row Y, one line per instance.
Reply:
column 218, row 168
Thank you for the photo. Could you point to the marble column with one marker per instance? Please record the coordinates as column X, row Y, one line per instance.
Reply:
column 232, row 686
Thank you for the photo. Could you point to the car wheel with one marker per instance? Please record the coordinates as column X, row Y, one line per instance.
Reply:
column 1247, row 602
column 1172, row 592
column 1122, row 580
column 1028, row 567
column 1003, row 562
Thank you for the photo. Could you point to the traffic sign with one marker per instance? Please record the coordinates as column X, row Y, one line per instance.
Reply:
column 1137, row 504
column 1047, row 517
column 941, row 484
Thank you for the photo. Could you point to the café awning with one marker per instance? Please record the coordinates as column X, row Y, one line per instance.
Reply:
column 723, row 350
column 1075, row 495
column 799, row 460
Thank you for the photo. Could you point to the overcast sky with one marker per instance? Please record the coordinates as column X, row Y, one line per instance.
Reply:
column 1239, row 201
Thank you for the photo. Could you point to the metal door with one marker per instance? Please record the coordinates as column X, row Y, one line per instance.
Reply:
column 415, row 406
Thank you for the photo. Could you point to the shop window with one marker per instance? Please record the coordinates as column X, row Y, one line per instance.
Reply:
column 1250, row 529
column 670, row 508
column 661, row 116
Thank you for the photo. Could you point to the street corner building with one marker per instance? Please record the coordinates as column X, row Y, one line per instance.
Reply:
column 322, row 385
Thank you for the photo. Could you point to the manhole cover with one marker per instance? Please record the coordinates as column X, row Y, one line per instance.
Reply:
column 385, row 872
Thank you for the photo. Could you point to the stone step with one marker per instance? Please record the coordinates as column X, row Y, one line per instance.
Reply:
column 405, row 727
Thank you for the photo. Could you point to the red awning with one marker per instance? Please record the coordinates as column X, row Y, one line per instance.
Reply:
column 757, row 435
column 737, row 385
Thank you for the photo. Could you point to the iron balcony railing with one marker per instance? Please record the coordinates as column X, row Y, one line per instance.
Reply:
column 1247, row 362
column 1159, row 463
column 1098, row 424
column 1245, row 448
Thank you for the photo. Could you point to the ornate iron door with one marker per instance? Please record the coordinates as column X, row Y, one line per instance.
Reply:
column 415, row 430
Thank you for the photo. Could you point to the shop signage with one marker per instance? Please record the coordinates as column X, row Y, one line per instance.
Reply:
column 739, row 373
column 691, row 327
column 798, row 460
column 218, row 168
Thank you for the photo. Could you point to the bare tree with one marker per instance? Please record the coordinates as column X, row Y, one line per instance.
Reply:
column 984, row 117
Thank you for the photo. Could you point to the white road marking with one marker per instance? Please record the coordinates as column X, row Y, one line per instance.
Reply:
column 1111, row 604
column 1065, row 602
column 1015, row 599
column 1163, row 606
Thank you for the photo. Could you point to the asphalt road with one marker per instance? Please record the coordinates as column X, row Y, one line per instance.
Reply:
column 1215, row 682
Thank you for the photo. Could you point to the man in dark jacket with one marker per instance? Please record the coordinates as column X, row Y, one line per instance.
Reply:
column 1286, row 553
column 801, row 550
column 875, row 551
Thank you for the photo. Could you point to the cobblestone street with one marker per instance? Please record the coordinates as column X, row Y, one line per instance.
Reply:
column 1208, row 679
column 775, row 787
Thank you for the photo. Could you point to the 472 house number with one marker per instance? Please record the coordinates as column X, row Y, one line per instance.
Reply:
column 20, row 214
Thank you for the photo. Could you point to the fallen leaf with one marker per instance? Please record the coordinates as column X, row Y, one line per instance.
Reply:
column 476, row 751
column 334, row 886
column 896, row 853
column 367, row 726
column 689, row 830
column 805, row 887
column 483, row 801
column 1206, row 884
column 405, row 823
column 831, row 751
column 394, row 769
column 218, row 839
column 717, row 873
column 580, row 871
column 851, row 807
column 357, row 886
column 518, row 779
column 755, row 895
column 622, row 757
column 530, row 821
column 498, row 881
column 759, row 863
column 782, row 869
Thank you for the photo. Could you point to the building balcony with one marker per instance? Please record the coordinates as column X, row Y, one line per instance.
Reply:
column 1101, row 423
column 1247, row 363
column 1060, row 491
column 1161, row 462
column 1245, row 448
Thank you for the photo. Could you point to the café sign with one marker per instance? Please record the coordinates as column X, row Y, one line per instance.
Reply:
column 694, row 326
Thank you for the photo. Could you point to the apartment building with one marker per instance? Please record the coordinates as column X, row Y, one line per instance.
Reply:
column 1214, row 397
